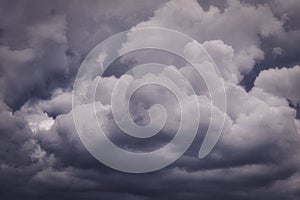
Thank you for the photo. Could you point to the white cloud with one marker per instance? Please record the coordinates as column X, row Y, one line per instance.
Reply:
column 60, row 103
column 235, row 32
column 256, row 122
column 284, row 82
column 232, row 64
column 36, row 118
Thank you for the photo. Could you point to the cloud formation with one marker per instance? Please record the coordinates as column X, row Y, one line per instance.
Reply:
column 42, row 46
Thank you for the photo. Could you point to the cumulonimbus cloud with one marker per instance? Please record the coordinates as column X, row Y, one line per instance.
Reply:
column 256, row 157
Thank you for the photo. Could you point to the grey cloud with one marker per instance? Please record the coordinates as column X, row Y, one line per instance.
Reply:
column 288, row 87
column 259, row 22
column 42, row 46
column 55, row 36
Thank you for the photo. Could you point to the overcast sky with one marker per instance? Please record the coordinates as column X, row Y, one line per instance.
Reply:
column 255, row 45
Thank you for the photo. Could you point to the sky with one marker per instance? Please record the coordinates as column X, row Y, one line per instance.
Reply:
column 254, row 44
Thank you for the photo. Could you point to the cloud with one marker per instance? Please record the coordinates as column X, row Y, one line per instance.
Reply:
column 282, row 82
column 16, row 56
column 216, row 25
column 257, row 156
column 54, row 29
column 232, row 64
column 59, row 103
column 21, row 155
column 33, row 63
column 53, row 38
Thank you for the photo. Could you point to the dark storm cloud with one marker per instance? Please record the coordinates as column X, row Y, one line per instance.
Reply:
column 42, row 44
column 58, row 35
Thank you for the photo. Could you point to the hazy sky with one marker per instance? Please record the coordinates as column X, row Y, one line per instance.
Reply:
column 255, row 44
